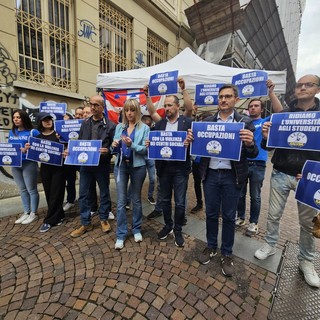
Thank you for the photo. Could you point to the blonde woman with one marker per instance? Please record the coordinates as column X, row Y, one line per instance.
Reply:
column 129, row 143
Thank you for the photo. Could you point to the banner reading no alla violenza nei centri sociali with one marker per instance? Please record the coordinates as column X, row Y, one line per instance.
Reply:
column 167, row 145
column 45, row 151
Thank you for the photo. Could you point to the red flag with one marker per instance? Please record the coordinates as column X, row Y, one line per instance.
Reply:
column 116, row 99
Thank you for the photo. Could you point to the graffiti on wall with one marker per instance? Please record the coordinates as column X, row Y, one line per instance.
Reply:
column 139, row 60
column 87, row 30
column 8, row 68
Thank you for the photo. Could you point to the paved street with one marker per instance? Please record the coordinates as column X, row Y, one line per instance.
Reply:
column 53, row 276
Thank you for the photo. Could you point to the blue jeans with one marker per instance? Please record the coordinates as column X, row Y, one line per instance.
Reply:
column 88, row 175
column 152, row 176
column 221, row 191
column 255, row 178
column 177, row 181
column 26, row 179
column 137, row 175
column 150, row 165
column 280, row 186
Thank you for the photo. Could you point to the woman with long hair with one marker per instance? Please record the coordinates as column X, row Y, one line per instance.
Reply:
column 129, row 143
column 25, row 176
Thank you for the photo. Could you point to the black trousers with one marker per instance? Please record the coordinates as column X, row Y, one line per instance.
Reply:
column 53, row 180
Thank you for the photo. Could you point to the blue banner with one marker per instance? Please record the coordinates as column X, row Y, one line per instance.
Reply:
column 295, row 130
column 45, row 151
column 10, row 154
column 83, row 152
column 167, row 145
column 163, row 83
column 68, row 130
column 251, row 84
column 57, row 110
column 308, row 189
column 217, row 139
column 207, row 94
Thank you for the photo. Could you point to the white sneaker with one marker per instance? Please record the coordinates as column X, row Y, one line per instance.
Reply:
column 92, row 213
column 22, row 217
column 264, row 252
column 137, row 237
column 31, row 217
column 68, row 206
column 111, row 216
column 119, row 244
column 310, row 275
column 240, row 222
column 252, row 229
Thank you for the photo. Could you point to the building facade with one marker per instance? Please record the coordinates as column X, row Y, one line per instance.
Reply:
column 52, row 50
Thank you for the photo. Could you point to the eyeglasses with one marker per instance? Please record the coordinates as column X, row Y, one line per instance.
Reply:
column 168, row 105
column 94, row 105
column 226, row 96
column 299, row 85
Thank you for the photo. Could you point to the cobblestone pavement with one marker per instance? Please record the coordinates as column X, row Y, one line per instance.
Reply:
column 53, row 276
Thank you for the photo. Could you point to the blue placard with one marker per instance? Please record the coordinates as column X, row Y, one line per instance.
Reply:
column 10, row 154
column 308, row 189
column 207, row 94
column 167, row 145
column 217, row 140
column 251, row 84
column 45, row 151
column 163, row 83
column 295, row 130
column 68, row 129
column 83, row 152
column 57, row 110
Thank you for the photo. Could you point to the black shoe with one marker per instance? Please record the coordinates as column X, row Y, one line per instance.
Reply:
column 164, row 233
column 206, row 255
column 185, row 221
column 227, row 267
column 154, row 214
column 128, row 205
column 197, row 208
column 179, row 241
column 151, row 200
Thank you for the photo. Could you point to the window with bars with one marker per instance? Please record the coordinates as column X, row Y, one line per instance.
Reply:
column 157, row 51
column 115, row 39
column 46, row 42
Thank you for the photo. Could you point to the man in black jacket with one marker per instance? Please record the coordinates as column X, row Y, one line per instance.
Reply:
column 173, row 175
column 222, row 182
column 96, row 127
column 287, row 168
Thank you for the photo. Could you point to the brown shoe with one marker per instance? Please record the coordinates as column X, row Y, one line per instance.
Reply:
column 105, row 226
column 316, row 226
column 80, row 231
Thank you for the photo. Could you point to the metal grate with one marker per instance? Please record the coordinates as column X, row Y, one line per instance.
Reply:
column 294, row 299
column 115, row 39
column 46, row 45
column 157, row 50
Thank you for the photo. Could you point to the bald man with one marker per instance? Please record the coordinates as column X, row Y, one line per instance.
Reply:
column 96, row 127
column 287, row 168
